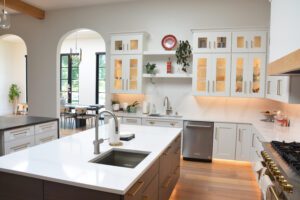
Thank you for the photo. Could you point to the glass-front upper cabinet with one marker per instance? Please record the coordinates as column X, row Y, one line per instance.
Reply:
column 250, row 41
column 201, row 69
column 134, row 78
column 118, row 74
column 127, row 43
column 206, row 42
column 211, row 74
column 126, row 74
column 248, row 74
column 221, row 75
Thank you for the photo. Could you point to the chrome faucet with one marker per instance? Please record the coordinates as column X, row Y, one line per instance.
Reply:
column 98, row 141
column 167, row 104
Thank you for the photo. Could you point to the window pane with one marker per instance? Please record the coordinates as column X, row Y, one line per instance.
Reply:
column 64, row 95
column 64, row 85
column 101, row 86
column 102, row 73
column 64, row 73
column 101, row 60
column 75, row 85
column 64, row 61
column 75, row 97
column 101, row 98
column 75, row 60
column 75, row 73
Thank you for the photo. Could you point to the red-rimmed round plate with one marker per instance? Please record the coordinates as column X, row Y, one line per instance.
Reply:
column 169, row 42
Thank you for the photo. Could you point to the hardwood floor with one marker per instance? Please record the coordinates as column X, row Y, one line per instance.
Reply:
column 220, row 180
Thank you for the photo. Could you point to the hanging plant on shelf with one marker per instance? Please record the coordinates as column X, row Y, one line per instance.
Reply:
column 183, row 54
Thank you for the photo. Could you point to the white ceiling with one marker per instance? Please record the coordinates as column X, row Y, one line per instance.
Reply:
column 60, row 4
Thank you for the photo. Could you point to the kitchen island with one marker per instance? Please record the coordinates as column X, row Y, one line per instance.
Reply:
column 62, row 169
column 18, row 132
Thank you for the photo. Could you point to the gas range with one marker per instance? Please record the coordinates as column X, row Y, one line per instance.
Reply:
column 282, row 159
column 290, row 152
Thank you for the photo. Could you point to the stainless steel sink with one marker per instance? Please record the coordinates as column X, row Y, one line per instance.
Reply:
column 121, row 158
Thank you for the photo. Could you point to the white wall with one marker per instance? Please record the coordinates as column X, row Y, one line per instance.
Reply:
column 12, row 71
column 285, row 29
column 157, row 17
column 87, row 68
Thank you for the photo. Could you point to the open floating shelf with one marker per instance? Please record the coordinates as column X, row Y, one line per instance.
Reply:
column 167, row 76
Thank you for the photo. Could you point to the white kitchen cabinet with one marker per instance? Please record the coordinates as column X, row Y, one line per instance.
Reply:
column 18, row 144
column 211, row 42
column 283, row 88
column 243, row 142
column 249, row 41
column 127, row 43
column 256, row 147
column 248, row 74
column 163, row 122
column 224, row 141
column 126, row 74
column 132, row 120
column 45, row 132
column 211, row 75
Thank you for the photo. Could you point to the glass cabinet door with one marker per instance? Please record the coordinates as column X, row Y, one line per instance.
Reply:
column 221, row 41
column 239, row 71
column 240, row 42
column 221, row 79
column 257, row 41
column 201, row 69
column 202, row 42
column 132, row 82
column 118, row 71
column 257, row 74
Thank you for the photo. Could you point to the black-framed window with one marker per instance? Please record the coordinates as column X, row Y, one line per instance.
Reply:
column 69, row 77
column 100, row 77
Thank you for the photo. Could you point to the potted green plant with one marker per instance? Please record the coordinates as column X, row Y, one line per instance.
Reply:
column 13, row 96
column 133, row 107
column 115, row 105
column 150, row 68
column 183, row 54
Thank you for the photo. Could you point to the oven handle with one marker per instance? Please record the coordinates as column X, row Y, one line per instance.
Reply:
column 273, row 193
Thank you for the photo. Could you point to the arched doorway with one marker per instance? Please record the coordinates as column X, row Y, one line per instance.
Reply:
column 13, row 70
column 82, row 69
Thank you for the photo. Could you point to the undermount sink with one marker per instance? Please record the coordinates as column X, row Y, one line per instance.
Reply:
column 121, row 158
column 159, row 115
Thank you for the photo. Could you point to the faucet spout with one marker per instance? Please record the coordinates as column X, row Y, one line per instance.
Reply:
column 98, row 141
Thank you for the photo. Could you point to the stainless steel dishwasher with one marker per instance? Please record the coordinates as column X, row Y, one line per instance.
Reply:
column 198, row 140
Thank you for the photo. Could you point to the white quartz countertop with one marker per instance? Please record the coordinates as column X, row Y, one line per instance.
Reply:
column 268, row 131
column 67, row 160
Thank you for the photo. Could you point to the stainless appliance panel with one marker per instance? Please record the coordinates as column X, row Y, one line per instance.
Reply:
column 198, row 140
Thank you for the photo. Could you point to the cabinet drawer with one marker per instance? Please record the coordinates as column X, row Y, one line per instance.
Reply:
column 18, row 133
column 45, row 137
column 45, row 127
column 163, row 123
column 20, row 144
column 132, row 120
column 136, row 191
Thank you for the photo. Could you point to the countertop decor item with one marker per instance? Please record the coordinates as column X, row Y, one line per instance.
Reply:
column 150, row 68
column 13, row 96
column 133, row 107
column 169, row 42
column 115, row 105
column 183, row 54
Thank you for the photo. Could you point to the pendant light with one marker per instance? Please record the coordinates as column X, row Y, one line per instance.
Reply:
column 4, row 18
column 76, row 50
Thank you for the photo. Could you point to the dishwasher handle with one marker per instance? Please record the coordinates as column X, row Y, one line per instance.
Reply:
column 197, row 126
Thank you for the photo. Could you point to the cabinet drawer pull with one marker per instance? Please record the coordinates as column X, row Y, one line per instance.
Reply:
column 253, row 139
column 136, row 188
column 151, row 122
column 167, row 182
column 250, row 87
column 268, row 87
column 20, row 147
column 46, row 127
column 167, row 151
column 19, row 133
column 245, row 87
column 131, row 120
column 47, row 139
column 127, row 84
column 240, row 135
column 208, row 86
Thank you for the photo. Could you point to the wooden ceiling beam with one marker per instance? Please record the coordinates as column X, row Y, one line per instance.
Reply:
column 25, row 8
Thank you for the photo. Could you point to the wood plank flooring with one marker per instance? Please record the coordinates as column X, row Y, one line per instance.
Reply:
column 220, row 180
